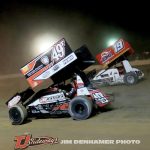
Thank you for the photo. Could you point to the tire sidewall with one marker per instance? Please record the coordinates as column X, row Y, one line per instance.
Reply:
column 86, row 104
column 21, row 110
column 131, row 75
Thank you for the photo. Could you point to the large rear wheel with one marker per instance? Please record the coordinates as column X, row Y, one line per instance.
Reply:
column 130, row 78
column 80, row 108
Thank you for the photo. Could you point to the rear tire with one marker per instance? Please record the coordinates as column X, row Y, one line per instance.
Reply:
column 80, row 108
column 130, row 78
column 17, row 114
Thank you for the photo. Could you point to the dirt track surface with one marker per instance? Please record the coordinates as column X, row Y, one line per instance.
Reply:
column 130, row 120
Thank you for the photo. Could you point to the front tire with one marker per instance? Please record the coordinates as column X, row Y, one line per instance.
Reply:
column 17, row 114
column 80, row 108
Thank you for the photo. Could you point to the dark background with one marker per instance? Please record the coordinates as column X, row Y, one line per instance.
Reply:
column 79, row 22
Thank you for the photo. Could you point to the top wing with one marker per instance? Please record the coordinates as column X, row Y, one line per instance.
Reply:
column 48, row 63
column 110, row 55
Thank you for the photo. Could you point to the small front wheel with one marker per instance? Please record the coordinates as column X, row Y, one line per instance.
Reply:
column 17, row 114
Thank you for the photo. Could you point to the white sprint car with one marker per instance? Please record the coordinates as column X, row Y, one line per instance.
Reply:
column 124, row 74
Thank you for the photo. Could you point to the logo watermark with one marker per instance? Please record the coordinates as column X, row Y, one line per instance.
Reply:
column 24, row 141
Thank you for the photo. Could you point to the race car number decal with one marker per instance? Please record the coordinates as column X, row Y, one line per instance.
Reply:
column 118, row 46
column 58, row 52
column 99, row 97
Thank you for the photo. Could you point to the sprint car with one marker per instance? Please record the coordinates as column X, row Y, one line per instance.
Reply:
column 117, row 69
column 78, row 98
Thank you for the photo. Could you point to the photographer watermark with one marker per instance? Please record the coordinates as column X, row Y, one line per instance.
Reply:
column 98, row 141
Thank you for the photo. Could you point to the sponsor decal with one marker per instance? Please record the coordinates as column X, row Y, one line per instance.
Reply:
column 56, row 67
column 25, row 141
column 45, row 60
column 43, row 100
column 52, row 98
column 35, row 70
column 68, row 60
column 105, row 56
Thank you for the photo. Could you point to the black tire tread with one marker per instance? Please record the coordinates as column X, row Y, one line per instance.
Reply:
column 88, row 103
column 22, row 111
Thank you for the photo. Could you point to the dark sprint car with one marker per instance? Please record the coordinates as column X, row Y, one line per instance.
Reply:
column 78, row 98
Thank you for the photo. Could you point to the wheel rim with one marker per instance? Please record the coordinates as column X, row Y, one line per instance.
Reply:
column 15, row 115
column 80, row 109
column 130, row 79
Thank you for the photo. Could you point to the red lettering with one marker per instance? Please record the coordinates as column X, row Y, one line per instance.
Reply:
column 22, row 141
